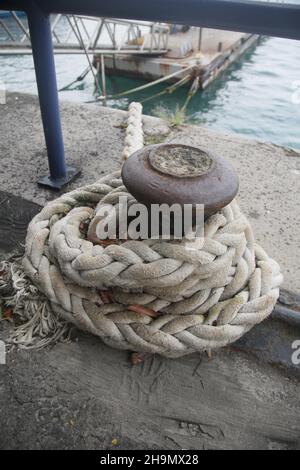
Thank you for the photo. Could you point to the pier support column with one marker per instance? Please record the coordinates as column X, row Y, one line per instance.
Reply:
column 42, row 49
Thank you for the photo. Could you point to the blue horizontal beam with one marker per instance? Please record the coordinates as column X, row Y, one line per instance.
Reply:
column 257, row 17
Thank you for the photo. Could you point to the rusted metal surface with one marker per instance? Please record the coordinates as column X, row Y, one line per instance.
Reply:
column 175, row 173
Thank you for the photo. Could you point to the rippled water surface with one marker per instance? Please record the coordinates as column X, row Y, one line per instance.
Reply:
column 256, row 97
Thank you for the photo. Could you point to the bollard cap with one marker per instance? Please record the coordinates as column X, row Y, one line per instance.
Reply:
column 176, row 173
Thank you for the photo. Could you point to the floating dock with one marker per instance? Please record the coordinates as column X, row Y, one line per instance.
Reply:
column 210, row 50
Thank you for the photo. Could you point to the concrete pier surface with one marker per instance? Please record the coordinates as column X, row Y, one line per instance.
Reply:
column 85, row 394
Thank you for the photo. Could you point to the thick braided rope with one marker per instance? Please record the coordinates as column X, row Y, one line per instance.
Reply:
column 134, row 139
column 204, row 299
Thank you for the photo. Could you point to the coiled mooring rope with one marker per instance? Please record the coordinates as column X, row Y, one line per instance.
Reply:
column 188, row 300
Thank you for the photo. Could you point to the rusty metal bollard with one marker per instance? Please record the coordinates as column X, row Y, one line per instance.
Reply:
column 176, row 173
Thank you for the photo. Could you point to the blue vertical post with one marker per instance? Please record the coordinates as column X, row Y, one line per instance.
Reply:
column 42, row 49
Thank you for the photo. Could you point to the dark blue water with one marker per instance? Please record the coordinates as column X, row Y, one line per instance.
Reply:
column 257, row 97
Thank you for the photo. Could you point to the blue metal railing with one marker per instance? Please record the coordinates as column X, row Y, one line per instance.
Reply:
column 257, row 17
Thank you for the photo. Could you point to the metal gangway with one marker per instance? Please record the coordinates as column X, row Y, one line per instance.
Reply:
column 79, row 34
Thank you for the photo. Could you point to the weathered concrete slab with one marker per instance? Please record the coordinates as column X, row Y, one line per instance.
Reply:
column 15, row 215
column 270, row 175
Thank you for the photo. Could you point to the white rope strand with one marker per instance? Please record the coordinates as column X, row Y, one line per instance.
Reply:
column 150, row 296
